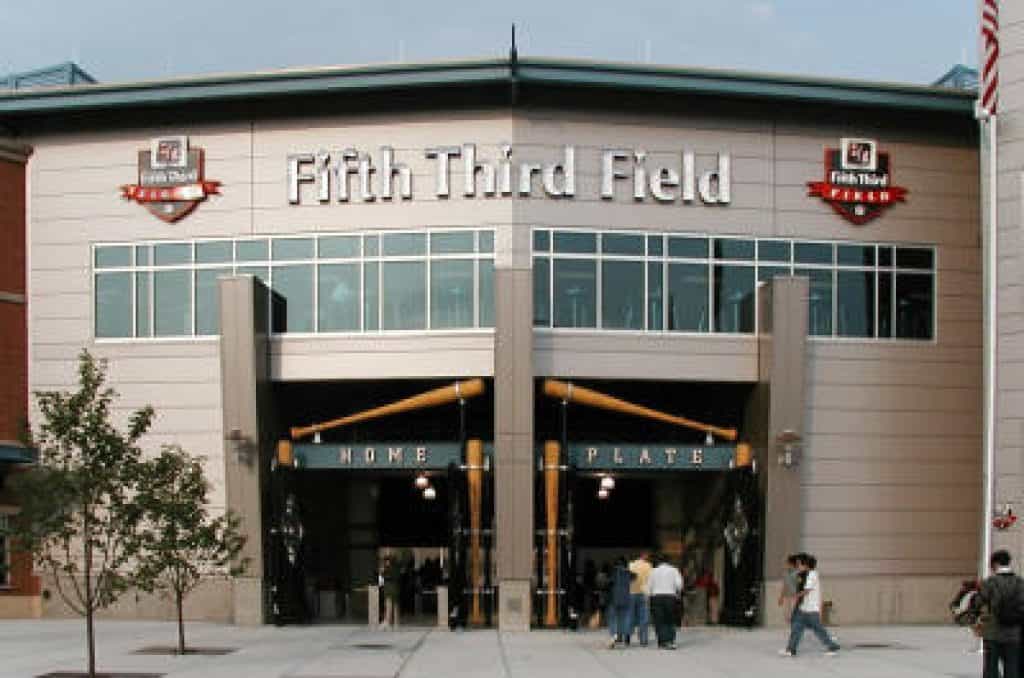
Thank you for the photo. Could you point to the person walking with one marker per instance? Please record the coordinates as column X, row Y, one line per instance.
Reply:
column 641, row 571
column 999, row 602
column 792, row 583
column 664, row 585
column 390, row 588
column 807, row 610
column 619, row 604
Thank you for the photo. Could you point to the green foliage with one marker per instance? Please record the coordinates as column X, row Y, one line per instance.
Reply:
column 77, row 513
column 182, row 544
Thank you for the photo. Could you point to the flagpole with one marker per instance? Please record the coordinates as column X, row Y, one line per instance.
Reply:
column 989, row 123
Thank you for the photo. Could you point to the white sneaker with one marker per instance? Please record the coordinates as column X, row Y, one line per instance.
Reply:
column 832, row 653
column 612, row 644
column 786, row 653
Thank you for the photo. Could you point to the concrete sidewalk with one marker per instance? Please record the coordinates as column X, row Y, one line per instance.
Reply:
column 31, row 648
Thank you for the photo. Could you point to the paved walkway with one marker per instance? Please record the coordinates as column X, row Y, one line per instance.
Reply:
column 31, row 648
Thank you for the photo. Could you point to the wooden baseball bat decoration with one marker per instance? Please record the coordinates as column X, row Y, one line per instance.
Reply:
column 551, row 450
column 585, row 396
column 433, row 398
column 475, row 476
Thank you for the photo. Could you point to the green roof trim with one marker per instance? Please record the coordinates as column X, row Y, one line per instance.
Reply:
column 17, row 454
column 445, row 74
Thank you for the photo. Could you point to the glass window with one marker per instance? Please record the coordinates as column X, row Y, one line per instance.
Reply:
column 542, row 241
column 655, row 296
column 885, row 290
column 812, row 253
column 855, row 303
column 730, row 248
column 486, row 293
column 371, row 296
column 819, row 321
column 774, row 250
column 913, row 305
column 451, row 293
column 541, row 292
column 217, row 252
column 208, row 300
column 295, row 286
column 487, row 241
column 884, row 256
column 655, row 245
column 142, row 324
column 856, row 255
column 112, row 257
column 569, row 242
column 688, row 297
column 622, row 294
column 172, row 303
column 371, row 246
column 113, row 305
column 458, row 242
column 914, row 257
column 292, row 248
column 734, row 299
column 252, row 250
column 338, row 297
column 616, row 243
column 403, row 244
column 403, row 302
column 766, row 273
column 338, row 247
column 261, row 272
column 142, row 255
column 172, row 254
column 575, row 292
column 688, row 248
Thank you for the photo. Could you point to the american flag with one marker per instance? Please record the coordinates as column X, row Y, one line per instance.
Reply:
column 989, row 89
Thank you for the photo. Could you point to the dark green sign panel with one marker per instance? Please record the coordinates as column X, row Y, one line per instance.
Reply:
column 652, row 456
column 378, row 455
column 397, row 455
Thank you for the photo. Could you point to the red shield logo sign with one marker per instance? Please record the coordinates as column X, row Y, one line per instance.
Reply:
column 172, row 179
column 858, row 182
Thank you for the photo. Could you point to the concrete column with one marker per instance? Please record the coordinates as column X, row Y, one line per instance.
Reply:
column 784, row 363
column 245, row 374
column 513, row 425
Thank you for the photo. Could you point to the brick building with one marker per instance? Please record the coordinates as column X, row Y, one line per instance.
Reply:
column 19, row 589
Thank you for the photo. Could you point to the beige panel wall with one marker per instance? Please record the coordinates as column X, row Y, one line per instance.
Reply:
column 1009, row 433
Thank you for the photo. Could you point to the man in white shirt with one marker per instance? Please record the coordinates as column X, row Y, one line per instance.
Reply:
column 664, row 586
column 807, row 613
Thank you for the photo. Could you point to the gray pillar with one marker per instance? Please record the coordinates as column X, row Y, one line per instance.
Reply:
column 245, row 374
column 783, row 368
column 513, row 425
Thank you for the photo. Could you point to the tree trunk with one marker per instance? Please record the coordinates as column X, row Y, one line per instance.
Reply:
column 181, row 624
column 90, row 637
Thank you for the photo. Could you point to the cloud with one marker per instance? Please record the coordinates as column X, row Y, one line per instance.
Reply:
column 762, row 10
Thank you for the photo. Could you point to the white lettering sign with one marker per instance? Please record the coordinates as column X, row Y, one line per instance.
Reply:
column 351, row 174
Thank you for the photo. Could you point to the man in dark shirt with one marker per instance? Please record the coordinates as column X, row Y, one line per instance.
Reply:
column 1001, row 644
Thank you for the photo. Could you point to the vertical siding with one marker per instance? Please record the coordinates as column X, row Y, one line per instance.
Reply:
column 1010, row 366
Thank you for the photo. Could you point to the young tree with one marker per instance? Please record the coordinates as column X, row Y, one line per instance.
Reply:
column 78, row 515
column 181, row 542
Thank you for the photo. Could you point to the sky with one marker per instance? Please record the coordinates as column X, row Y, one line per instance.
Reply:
column 913, row 41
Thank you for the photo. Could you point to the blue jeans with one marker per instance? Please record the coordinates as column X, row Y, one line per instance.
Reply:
column 620, row 621
column 641, row 616
column 808, row 620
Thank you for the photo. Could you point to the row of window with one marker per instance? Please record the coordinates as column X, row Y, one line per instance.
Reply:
column 350, row 283
column 445, row 280
column 628, row 281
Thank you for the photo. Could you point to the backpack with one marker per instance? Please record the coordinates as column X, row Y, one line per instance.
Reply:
column 1010, row 609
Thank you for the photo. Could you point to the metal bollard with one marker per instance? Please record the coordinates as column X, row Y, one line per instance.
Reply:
column 442, row 607
column 373, row 606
